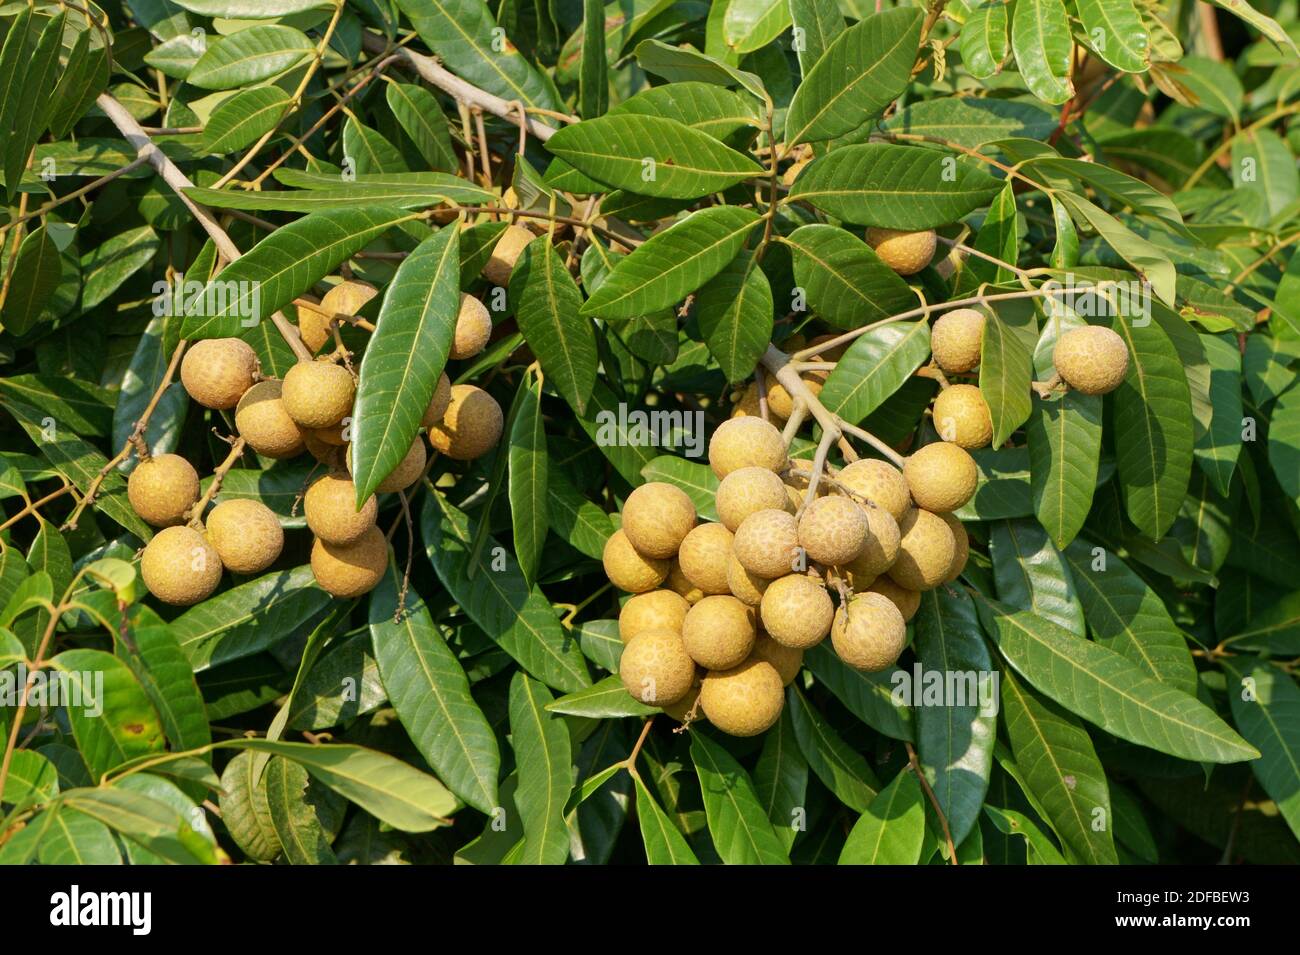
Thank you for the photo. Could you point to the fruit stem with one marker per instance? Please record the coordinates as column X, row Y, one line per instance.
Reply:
column 219, row 475
column 934, row 803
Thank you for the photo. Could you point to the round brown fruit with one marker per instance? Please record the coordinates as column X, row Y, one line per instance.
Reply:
column 961, row 415
column 262, row 421
column 655, row 668
column 767, row 543
column 747, row 491
column 318, row 394
column 941, row 476
column 956, row 340
column 907, row 601
column 350, row 570
column 217, row 371
column 718, row 632
column 869, row 634
column 746, row 442
column 330, row 506
column 745, row 700
column 797, row 611
column 406, row 473
column 180, row 567
column 473, row 328
column 681, row 585
column 904, row 252
column 833, row 530
column 961, row 547
column 246, row 535
column 438, row 403
column 880, row 550
column 657, row 517
column 471, row 425
column 879, row 483
column 1091, row 359
column 629, row 570
column 786, row 660
column 746, row 587
column 652, row 610
column 506, row 253
column 925, row 552
column 162, row 489
column 703, row 558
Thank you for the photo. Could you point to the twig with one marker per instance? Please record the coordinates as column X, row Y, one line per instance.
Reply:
column 934, row 802
column 219, row 475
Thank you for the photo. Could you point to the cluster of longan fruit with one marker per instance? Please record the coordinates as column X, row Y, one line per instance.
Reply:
column 306, row 412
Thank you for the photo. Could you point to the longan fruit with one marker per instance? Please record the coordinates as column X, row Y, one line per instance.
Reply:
column 217, row 371
column 318, row 394
column 406, row 473
column 262, row 421
column 346, row 298
column 1092, row 359
column 907, row 601
column 956, row 339
column 655, row 668
column 747, row 405
column 833, row 530
column 162, row 489
column 767, row 543
column 961, row 415
column 471, row 425
column 786, row 660
column 792, row 172
column 746, row 442
column 718, row 632
column 473, row 328
column 941, row 477
column 681, row 585
column 879, row 551
column 746, row 491
column 746, row 587
column 796, row 611
column 961, row 547
column 925, row 552
column 350, row 570
column 333, row 436
column 438, row 403
column 904, row 252
column 322, row 451
column 330, row 506
column 878, row 482
column 779, row 400
column 652, row 610
column 745, row 700
column 179, row 566
column 629, row 570
column 869, row 633
column 679, row 709
column 833, row 353
column 506, row 253
column 703, row 557
column 313, row 324
column 246, row 535
column 657, row 517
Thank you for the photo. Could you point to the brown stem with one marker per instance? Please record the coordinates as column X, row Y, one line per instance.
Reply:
column 934, row 802
column 219, row 475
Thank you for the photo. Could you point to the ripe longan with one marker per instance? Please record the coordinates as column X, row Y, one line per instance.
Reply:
column 961, row 415
column 745, row 700
column 746, row 587
column 217, row 371
column 438, row 403
column 833, row 530
column 333, row 436
column 350, row 570
column 869, row 634
column 747, row 405
column 652, row 610
column 318, row 394
column 746, row 442
column 880, row 549
column 786, row 660
column 322, row 451
column 655, row 668
column 904, row 252
column 473, row 328
column 796, row 611
column 179, row 566
column 629, row 570
column 246, row 535
column 956, row 339
column 330, row 506
column 1092, row 359
column 703, row 557
column 506, row 253
column 346, row 298
column 679, row 709
column 925, row 552
column 746, row 491
column 406, row 473
column 778, row 399
column 262, row 421
column 767, row 543
column 718, row 632
column 162, row 489
column 941, row 476
column 657, row 517
column 471, row 425
column 961, row 547
column 878, row 482
column 907, row 601
column 681, row 585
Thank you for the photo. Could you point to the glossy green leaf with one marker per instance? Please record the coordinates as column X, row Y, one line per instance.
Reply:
column 984, row 38
column 842, row 770
column 1006, row 370
column 111, row 716
column 843, row 279
column 874, row 367
column 1040, row 37
column 1064, row 439
column 250, row 56
column 544, row 760
column 735, row 315
column 738, row 826
column 36, row 275
column 868, row 696
column 892, row 829
column 417, row 112
column 245, row 117
column 296, row 814
column 548, row 306
column 664, row 845
column 1266, row 708
column 1031, row 574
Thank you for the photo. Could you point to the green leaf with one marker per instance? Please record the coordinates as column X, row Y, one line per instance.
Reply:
column 1040, row 37
column 875, row 366
column 892, row 829
column 369, row 151
column 111, row 716
column 1146, row 257
column 842, row 770
column 697, row 480
column 1064, row 439
column 843, row 279
column 1266, row 708
column 149, row 822
column 738, row 826
column 735, row 315
column 682, row 64
column 816, row 24
column 576, row 520
column 1219, row 444
column 868, row 696
column 31, row 109
column 246, row 812
column 108, row 265
column 593, row 78
column 664, row 845
column 1116, row 33
column 545, row 766
column 984, row 39
column 76, row 839
column 418, row 113
column 36, row 275
column 296, row 815
column 244, row 118
column 750, row 25
column 528, row 479
column 709, row 109
column 1031, row 574
column 547, row 307
column 1006, row 370
column 250, row 57
column 781, row 780
column 1264, row 24
column 143, row 376
column 1284, row 442
column 1041, row 849
column 251, row 9
column 31, row 776
column 607, row 699
column 972, row 121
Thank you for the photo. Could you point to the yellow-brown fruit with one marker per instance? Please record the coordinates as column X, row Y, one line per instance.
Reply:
column 767, row 543
column 792, row 172
column 350, row 570
column 904, row 252
column 629, row 570
column 961, row 548
column 438, row 403
column 956, row 340
column 246, row 535
column 747, row 405
column 746, row 587
column 869, row 634
column 779, row 400
column 318, row 394
column 907, row 601
column 322, row 451
column 786, row 660
column 313, row 325
column 162, row 489
column 655, row 668
column 471, row 425
column 745, row 700
column 1092, row 359
column 332, row 436
column 653, row 610
column 941, row 477
column 880, row 550
column 880, row 483
column 925, row 552
column 262, row 421
column 657, row 517
column 681, row 585
column 703, row 558
column 961, row 415
column 346, row 298
column 833, row 530
column 217, row 371
column 179, row 566
column 506, row 253
column 747, row 491
column 796, row 611
column 746, row 442
column 680, row 709
column 718, row 632
column 330, row 507
column 473, row 328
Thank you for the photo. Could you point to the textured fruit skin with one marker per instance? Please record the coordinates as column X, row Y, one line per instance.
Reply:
column 961, row 548
column 747, row 405
column 346, row 298
column 313, row 324
column 747, row 491
column 785, row 660
column 956, row 339
column 180, row 567
column 318, row 394
column 262, row 421
column 880, row 549
column 767, row 543
column 627, row 569
column 746, row 587
column 506, row 253
column 703, row 558
column 350, row 570
column 473, row 328
column 745, row 700
column 904, row 252
column 961, row 415
column 869, row 634
column 796, row 611
column 907, row 601
column 322, row 451
column 657, row 517
column 925, row 552
column 779, row 401
column 718, row 632
column 746, row 442
column 879, row 483
column 681, row 585
column 655, row 669
column 941, row 476
column 330, row 506
column 652, row 610
column 332, row 436
column 162, row 489
column 471, row 425
column 833, row 530
column 438, row 403
column 406, row 473
column 217, row 371
column 246, row 535
column 1092, row 359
